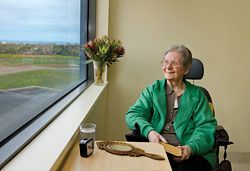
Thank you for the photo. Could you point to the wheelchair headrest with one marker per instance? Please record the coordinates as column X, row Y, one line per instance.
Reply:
column 196, row 72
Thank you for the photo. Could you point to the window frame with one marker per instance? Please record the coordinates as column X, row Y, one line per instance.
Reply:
column 19, row 139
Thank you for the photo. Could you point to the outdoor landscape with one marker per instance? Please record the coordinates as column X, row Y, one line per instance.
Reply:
column 48, row 65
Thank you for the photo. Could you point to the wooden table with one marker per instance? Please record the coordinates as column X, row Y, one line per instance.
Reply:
column 104, row 161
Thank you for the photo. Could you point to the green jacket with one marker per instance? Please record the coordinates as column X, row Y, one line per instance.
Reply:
column 194, row 124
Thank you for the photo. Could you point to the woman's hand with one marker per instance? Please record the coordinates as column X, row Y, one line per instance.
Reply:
column 186, row 152
column 155, row 137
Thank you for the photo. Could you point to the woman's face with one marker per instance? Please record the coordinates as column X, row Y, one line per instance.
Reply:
column 172, row 66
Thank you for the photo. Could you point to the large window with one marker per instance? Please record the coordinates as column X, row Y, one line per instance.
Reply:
column 41, row 64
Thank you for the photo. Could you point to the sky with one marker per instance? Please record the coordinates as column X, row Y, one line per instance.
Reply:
column 40, row 20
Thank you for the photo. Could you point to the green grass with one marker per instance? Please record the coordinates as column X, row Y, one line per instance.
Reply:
column 20, row 59
column 50, row 78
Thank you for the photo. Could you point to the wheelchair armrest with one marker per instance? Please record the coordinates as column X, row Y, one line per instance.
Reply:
column 135, row 135
column 224, row 143
column 222, row 137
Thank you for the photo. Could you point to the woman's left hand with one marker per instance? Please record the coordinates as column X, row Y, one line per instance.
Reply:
column 186, row 152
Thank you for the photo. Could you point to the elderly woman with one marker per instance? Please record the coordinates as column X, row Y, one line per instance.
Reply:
column 173, row 110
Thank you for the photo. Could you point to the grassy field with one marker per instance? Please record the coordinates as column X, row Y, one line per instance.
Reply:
column 20, row 59
column 51, row 78
column 57, row 77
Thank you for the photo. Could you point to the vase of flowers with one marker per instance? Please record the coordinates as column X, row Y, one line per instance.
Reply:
column 103, row 52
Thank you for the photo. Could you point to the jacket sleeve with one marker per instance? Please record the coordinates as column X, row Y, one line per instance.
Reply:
column 140, row 113
column 203, row 137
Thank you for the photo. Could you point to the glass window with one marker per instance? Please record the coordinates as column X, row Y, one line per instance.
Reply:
column 40, row 63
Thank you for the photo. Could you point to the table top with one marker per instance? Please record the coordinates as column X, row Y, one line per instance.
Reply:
column 104, row 161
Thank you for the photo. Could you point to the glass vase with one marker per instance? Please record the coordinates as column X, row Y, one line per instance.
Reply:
column 100, row 73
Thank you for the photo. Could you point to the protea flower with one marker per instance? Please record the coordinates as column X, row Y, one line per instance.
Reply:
column 120, row 51
column 104, row 49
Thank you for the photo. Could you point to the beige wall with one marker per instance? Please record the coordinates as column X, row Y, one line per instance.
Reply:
column 99, row 113
column 217, row 32
column 102, row 17
column 98, row 116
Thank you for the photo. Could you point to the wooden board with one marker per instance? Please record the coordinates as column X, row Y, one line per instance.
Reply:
column 171, row 149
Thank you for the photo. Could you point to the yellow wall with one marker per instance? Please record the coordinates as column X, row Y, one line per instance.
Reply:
column 217, row 32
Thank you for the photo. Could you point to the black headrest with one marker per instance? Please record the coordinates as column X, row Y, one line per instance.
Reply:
column 196, row 72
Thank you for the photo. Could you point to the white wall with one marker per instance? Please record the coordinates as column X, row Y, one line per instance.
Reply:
column 217, row 32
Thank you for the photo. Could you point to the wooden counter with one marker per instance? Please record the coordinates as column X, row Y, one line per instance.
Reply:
column 104, row 161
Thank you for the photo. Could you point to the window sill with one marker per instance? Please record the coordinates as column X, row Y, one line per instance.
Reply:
column 47, row 150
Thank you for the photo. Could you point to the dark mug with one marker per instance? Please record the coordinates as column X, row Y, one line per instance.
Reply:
column 86, row 147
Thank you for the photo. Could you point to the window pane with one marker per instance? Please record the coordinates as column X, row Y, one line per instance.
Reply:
column 39, row 57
